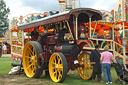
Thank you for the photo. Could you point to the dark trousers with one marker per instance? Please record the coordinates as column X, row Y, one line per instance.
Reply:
column 97, row 72
column 98, row 76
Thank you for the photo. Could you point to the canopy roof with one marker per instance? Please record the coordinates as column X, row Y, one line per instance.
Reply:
column 57, row 17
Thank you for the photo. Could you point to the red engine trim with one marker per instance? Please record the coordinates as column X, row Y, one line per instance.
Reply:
column 58, row 48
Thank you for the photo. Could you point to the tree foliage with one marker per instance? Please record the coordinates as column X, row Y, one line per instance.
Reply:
column 4, row 25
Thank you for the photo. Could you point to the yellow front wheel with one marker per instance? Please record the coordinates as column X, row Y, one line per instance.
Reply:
column 86, row 70
column 58, row 67
column 31, row 63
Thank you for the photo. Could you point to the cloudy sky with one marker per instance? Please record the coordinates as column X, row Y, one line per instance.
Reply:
column 24, row 7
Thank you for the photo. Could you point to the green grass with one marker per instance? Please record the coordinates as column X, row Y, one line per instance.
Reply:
column 5, row 65
column 72, row 78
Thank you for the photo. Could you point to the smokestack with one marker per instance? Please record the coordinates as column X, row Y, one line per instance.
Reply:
column 68, row 4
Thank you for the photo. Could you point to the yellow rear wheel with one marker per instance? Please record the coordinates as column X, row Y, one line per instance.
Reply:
column 86, row 71
column 58, row 67
column 30, row 59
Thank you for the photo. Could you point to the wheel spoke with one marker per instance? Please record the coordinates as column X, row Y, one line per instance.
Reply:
column 83, row 71
column 87, row 59
column 31, row 53
column 89, row 63
column 55, row 74
column 54, row 59
column 27, row 57
column 53, row 62
column 90, row 70
column 29, row 66
column 34, row 69
column 90, row 66
column 59, row 61
column 60, row 66
column 60, row 75
column 87, row 72
column 35, row 61
column 80, row 69
column 85, row 75
column 84, row 60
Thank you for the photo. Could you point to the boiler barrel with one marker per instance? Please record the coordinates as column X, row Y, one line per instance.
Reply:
column 72, row 50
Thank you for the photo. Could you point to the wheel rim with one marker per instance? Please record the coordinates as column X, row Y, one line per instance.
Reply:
column 56, row 67
column 86, row 71
column 29, row 60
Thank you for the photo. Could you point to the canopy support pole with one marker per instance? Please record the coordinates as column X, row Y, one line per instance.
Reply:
column 113, row 34
column 28, row 35
column 124, row 59
column 94, row 29
column 69, row 29
column 11, row 41
column 90, row 26
column 76, row 28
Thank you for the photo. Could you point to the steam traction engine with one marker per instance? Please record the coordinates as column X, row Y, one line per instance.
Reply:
column 57, row 52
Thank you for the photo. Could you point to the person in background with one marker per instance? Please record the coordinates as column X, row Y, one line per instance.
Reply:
column 106, row 58
column 110, row 33
column 101, row 33
column 0, row 50
column 95, row 61
column 5, row 49
column 86, row 32
column 34, row 34
column 118, row 38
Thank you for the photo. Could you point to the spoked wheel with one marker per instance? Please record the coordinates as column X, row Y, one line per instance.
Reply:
column 58, row 67
column 86, row 70
column 32, row 63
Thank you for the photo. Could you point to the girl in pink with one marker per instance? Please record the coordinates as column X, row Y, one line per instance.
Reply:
column 106, row 58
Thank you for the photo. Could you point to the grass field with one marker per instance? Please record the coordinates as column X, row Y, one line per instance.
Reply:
column 72, row 78
column 5, row 65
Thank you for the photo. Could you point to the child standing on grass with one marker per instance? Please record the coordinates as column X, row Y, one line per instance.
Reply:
column 106, row 58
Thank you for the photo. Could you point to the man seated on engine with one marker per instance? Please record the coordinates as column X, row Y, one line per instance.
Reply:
column 41, row 39
column 62, row 33
column 34, row 34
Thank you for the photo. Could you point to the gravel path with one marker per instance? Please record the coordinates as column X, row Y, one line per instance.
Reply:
column 6, row 55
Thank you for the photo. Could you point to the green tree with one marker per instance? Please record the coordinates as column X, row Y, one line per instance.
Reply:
column 4, row 25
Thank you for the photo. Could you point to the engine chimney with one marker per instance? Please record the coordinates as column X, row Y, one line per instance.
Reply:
column 68, row 4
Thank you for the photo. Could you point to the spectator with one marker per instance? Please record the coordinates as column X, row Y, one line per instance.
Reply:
column 101, row 33
column 95, row 60
column 5, row 49
column 0, row 50
column 106, row 58
column 118, row 38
